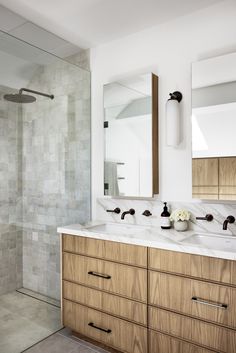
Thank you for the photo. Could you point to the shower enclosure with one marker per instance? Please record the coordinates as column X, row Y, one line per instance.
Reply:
column 44, row 171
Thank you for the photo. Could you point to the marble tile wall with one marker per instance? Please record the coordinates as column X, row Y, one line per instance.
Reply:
column 56, row 170
column 197, row 209
column 10, row 194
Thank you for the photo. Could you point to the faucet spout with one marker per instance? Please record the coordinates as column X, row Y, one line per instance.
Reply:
column 131, row 211
column 229, row 219
column 225, row 224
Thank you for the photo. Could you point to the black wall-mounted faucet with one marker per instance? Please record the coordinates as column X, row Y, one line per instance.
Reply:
column 131, row 211
column 116, row 210
column 229, row 219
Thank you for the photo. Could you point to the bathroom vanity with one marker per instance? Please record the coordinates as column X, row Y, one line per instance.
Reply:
column 147, row 298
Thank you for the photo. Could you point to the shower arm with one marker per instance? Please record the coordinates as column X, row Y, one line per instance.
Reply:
column 36, row 92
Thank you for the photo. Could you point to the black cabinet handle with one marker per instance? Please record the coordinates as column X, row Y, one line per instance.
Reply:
column 99, row 275
column 210, row 303
column 99, row 328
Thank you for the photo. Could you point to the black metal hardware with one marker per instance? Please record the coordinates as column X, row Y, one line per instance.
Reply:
column 131, row 212
column 101, row 275
column 106, row 124
column 229, row 219
column 99, row 328
column 207, row 218
column 147, row 213
column 36, row 92
column 210, row 303
column 116, row 210
column 176, row 95
column 121, row 178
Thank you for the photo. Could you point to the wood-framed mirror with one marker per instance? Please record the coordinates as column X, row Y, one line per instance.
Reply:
column 131, row 164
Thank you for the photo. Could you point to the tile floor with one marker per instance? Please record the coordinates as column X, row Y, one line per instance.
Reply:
column 63, row 342
column 25, row 321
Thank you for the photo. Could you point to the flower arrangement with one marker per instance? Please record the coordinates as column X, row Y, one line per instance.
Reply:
column 180, row 215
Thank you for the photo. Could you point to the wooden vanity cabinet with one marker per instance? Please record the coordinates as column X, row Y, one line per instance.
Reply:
column 104, row 291
column 191, row 303
column 134, row 299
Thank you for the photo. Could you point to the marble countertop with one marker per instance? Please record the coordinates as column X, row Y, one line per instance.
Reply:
column 148, row 236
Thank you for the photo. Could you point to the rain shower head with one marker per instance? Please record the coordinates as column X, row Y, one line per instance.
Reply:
column 25, row 98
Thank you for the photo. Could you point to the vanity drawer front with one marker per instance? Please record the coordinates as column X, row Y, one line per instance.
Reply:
column 110, row 304
column 108, row 250
column 196, row 331
column 209, row 268
column 116, row 333
column 159, row 343
column 192, row 297
column 127, row 281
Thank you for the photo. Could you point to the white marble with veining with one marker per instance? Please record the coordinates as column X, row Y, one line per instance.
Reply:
column 150, row 236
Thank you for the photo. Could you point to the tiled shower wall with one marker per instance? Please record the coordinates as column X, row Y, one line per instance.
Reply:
column 10, row 194
column 56, row 170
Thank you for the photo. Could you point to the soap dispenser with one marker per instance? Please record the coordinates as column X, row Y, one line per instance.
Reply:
column 165, row 218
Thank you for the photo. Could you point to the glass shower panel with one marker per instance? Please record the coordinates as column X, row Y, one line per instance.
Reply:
column 44, row 183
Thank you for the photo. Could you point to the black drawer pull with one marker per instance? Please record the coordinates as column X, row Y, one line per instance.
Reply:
column 205, row 302
column 99, row 328
column 99, row 275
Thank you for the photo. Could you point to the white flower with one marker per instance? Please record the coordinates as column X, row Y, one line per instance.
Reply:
column 180, row 215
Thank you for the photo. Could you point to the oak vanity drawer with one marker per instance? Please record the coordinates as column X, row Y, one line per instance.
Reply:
column 196, row 331
column 208, row 268
column 124, row 280
column 208, row 301
column 159, row 343
column 116, row 333
column 109, row 303
column 108, row 250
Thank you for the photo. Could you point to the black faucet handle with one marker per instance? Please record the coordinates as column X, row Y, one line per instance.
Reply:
column 231, row 219
column 131, row 211
column 147, row 213
column 116, row 210
column 207, row 218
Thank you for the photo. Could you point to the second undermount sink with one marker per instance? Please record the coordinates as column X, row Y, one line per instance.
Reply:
column 213, row 241
column 117, row 229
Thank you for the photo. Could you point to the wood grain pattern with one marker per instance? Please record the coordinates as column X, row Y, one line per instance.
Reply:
column 198, row 332
column 106, row 250
column 208, row 268
column 205, row 172
column 125, row 336
column 160, row 343
column 175, row 293
column 205, row 178
column 227, row 171
column 108, row 303
column 127, row 281
column 155, row 136
column 205, row 190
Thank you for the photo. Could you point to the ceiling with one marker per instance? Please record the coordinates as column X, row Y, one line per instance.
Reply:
column 88, row 23
column 29, row 32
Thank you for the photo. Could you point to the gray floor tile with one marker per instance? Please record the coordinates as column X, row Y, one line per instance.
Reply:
column 25, row 321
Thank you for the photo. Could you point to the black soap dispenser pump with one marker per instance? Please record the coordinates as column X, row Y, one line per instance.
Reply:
column 165, row 218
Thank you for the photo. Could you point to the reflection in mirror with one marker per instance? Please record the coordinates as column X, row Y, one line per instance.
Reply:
column 130, row 121
column 213, row 128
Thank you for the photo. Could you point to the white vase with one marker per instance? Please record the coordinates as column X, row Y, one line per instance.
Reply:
column 181, row 226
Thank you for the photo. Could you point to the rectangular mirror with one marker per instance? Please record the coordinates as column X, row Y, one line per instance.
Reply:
column 131, row 137
column 214, row 128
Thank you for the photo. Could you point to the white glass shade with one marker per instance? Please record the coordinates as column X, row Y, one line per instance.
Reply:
column 172, row 123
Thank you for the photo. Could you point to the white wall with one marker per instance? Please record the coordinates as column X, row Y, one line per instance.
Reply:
column 168, row 50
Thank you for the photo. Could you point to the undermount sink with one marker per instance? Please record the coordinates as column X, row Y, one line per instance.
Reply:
column 213, row 241
column 117, row 229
